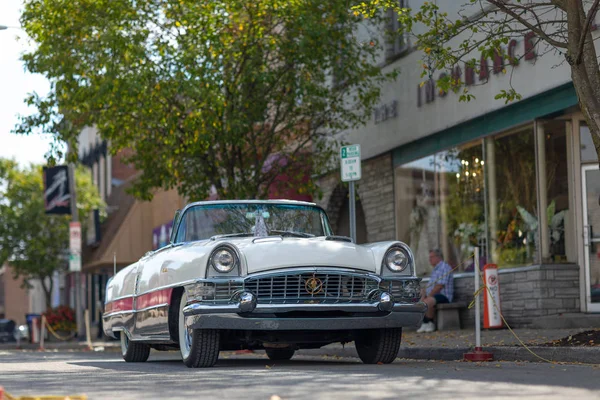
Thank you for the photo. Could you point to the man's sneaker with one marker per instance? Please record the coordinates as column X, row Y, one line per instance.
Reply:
column 426, row 327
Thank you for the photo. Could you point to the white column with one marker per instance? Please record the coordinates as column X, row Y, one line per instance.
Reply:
column 578, row 208
column 570, row 239
column 445, row 236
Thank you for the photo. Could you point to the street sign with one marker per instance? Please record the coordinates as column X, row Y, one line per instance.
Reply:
column 74, row 246
column 57, row 194
column 350, row 163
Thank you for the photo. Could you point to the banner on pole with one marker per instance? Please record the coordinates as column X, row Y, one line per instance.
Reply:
column 74, row 246
column 491, row 310
column 57, row 195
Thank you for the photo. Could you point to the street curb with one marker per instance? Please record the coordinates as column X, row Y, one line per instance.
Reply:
column 586, row 355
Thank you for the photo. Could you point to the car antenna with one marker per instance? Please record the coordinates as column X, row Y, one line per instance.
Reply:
column 114, row 263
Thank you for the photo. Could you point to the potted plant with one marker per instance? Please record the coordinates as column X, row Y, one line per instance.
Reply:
column 61, row 322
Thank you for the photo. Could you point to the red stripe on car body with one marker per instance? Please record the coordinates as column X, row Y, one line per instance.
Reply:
column 125, row 304
column 143, row 301
column 153, row 299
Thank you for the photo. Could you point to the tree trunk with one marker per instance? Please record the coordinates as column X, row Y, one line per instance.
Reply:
column 585, row 73
column 47, row 287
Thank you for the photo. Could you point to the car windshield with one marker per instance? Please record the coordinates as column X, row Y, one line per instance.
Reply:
column 251, row 219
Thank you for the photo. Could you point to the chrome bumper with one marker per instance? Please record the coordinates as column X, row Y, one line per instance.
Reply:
column 242, row 316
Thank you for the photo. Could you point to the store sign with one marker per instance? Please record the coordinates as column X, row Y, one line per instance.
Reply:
column 386, row 111
column 427, row 93
column 74, row 246
column 161, row 235
column 57, row 197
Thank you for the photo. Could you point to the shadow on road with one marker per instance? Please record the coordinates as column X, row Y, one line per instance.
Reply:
column 255, row 376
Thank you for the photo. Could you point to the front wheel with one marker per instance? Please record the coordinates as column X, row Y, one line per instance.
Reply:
column 132, row 351
column 199, row 347
column 285, row 353
column 376, row 346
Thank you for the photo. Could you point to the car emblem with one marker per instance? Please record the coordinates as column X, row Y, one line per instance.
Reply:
column 313, row 285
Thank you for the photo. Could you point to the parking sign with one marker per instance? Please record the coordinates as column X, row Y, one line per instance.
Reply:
column 350, row 163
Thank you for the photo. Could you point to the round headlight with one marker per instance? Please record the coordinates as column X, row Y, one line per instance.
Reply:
column 396, row 260
column 223, row 260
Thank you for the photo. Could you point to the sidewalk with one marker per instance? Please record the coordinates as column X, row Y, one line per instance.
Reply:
column 71, row 345
column 445, row 346
column 451, row 345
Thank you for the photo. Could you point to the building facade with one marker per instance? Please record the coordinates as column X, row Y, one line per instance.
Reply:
column 131, row 227
column 520, row 181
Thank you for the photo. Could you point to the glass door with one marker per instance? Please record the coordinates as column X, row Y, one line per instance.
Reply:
column 591, row 234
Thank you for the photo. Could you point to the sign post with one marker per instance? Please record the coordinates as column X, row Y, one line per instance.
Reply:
column 350, row 169
column 74, row 246
column 478, row 354
column 75, row 259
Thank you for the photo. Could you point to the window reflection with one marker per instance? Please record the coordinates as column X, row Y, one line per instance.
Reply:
column 559, row 216
column 512, row 199
column 484, row 194
column 443, row 196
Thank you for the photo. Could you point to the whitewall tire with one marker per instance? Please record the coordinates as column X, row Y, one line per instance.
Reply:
column 199, row 347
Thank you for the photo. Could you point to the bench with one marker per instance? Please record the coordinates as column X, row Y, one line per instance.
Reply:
column 447, row 316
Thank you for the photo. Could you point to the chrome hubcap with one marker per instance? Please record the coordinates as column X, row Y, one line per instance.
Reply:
column 188, row 338
column 185, row 333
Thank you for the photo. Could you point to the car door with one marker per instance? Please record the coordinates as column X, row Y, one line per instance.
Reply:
column 153, row 294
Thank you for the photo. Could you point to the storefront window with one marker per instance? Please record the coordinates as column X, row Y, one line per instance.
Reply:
column 443, row 197
column 559, row 215
column 446, row 200
column 512, row 199
column 588, row 151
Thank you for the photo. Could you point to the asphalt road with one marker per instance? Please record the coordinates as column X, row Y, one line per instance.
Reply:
column 252, row 376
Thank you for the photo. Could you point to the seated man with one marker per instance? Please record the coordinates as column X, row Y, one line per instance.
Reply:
column 440, row 289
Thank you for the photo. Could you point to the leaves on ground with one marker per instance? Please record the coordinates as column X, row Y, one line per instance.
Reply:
column 590, row 338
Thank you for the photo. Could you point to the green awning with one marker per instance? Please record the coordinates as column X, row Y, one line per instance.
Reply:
column 544, row 104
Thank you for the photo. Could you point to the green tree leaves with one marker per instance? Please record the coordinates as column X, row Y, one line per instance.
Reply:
column 205, row 93
column 35, row 244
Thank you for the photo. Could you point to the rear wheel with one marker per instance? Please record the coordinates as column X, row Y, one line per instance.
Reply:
column 285, row 353
column 133, row 351
column 376, row 346
column 199, row 347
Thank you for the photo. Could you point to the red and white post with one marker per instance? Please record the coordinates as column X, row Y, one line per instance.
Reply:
column 491, row 304
column 478, row 354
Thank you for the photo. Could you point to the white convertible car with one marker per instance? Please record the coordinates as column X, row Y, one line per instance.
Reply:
column 262, row 275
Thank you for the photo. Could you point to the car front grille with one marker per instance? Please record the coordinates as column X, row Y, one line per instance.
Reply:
column 403, row 290
column 318, row 287
column 313, row 287
column 225, row 290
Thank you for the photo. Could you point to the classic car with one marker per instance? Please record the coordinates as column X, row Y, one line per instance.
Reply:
column 262, row 275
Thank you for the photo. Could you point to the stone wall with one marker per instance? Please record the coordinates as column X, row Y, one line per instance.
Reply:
column 526, row 293
column 376, row 193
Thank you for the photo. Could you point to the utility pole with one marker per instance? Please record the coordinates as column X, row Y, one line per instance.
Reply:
column 78, row 291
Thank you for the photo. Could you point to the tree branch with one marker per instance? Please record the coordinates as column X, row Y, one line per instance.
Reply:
column 500, row 4
column 586, row 29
